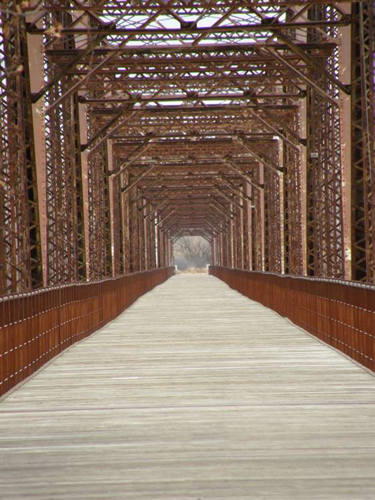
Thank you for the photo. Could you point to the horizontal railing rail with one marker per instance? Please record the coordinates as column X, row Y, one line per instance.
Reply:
column 340, row 313
column 36, row 326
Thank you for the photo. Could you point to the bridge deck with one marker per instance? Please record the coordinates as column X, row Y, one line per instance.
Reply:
column 194, row 392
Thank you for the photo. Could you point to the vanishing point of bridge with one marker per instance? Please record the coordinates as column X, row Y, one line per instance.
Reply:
column 126, row 125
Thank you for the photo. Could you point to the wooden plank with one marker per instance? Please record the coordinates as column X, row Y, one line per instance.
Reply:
column 194, row 392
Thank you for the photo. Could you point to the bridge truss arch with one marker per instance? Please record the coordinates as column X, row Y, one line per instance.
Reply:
column 128, row 124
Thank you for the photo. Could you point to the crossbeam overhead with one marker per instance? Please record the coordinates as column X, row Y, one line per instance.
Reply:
column 127, row 124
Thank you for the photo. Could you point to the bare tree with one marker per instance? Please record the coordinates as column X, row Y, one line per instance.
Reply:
column 191, row 251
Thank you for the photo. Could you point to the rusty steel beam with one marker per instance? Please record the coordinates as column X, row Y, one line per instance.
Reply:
column 243, row 127
column 258, row 27
column 363, row 143
column 21, row 267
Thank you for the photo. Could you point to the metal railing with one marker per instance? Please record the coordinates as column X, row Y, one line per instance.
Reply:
column 340, row 313
column 36, row 326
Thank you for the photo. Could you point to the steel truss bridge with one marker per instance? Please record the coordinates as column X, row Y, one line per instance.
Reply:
column 128, row 124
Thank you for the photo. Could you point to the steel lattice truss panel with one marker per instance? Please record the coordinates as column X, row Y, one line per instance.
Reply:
column 129, row 124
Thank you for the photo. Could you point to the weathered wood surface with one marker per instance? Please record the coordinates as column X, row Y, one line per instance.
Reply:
column 195, row 392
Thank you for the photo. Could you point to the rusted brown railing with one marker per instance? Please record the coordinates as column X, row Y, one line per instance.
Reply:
column 36, row 326
column 341, row 313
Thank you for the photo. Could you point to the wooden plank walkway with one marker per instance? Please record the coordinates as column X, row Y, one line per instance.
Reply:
column 195, row 392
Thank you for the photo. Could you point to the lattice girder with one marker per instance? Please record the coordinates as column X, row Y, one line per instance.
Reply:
column 164, row 118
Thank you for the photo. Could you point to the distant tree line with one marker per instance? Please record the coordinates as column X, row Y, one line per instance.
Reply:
column 191, row 252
